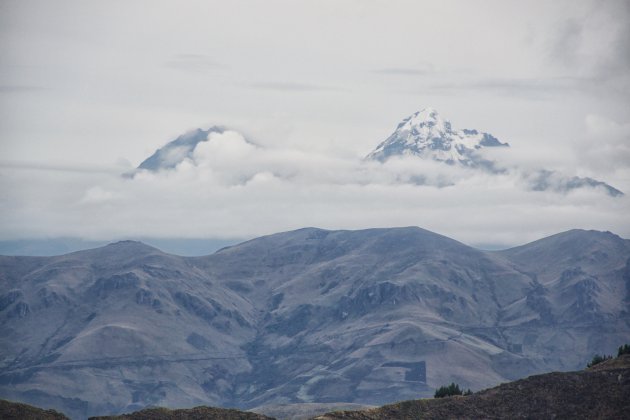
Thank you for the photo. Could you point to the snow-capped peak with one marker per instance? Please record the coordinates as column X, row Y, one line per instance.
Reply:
column 426, row 134
column 428, row 118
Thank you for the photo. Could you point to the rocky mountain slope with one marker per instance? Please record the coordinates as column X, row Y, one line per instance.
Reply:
column 600, row 393
column 369, row 317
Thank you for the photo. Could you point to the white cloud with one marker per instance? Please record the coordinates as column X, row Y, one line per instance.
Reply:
column 97, row 195
column 592, row 40
column 234, row 189
column 607, row 146
column 174, row 155
column 223, row 150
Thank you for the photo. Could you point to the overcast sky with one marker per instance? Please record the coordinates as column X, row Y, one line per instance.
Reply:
column 89, row 89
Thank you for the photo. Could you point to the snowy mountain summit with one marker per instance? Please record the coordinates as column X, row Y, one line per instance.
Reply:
column 170, row 155
column 428, row 135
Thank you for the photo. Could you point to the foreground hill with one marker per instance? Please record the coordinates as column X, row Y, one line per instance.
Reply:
column 600, row 392
column 16, row 411
column 597, row 393
column 305, row 411
column 197, row 413
column 368, row 317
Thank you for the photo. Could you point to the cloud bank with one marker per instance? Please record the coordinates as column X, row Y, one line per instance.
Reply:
column 232, row 188
column 86, row 84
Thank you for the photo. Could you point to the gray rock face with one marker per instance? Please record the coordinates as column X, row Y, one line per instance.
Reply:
column 368, row 317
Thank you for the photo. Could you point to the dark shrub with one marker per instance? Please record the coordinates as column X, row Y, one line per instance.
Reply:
column 447, row 391
column 598, row 359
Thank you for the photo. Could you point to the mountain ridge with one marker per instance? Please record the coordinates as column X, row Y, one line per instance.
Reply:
column 125, row 242
column 310, row 315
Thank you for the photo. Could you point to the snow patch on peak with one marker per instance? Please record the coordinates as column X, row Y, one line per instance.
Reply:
column 428, row 119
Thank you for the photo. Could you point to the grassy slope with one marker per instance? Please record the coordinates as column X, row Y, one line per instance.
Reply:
column 197, row 413
column 600, row 392
column 17, row 411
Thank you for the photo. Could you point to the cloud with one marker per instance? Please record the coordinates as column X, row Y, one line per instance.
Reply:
column 229, row 159
column 531, row 88
column 606, row 148
column 422, row 70
column 478, row 209
column 295, row 87
column 594, row 43
column 230, row 188
column 72, row 167
column 225, row 149
column 97, row 195
column 19, row 88
column 567, row 42
column 192, row 62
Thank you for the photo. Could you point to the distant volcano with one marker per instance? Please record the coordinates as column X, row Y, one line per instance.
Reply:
column 174, row 152
column 426, row 134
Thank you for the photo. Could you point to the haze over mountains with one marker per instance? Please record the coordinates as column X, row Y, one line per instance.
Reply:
column 370, row 316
